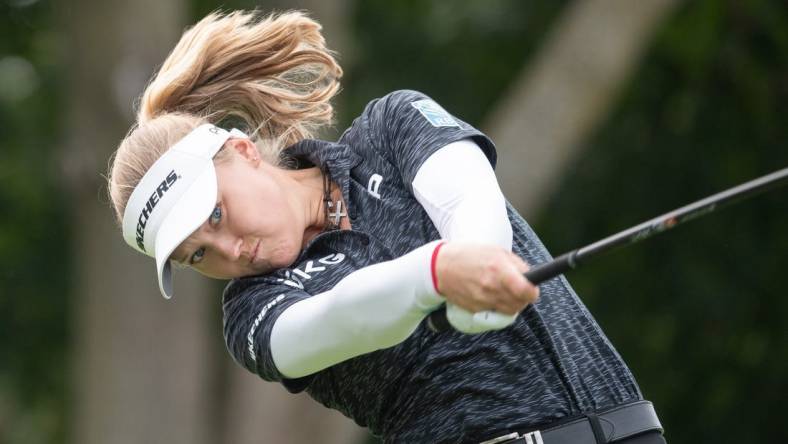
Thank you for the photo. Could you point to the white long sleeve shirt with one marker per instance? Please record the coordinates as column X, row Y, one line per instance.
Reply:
column 379, row 306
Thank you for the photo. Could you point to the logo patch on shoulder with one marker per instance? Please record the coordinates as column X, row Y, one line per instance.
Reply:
column 434, row 114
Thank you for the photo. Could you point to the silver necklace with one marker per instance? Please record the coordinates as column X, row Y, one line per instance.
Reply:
column 332, row 220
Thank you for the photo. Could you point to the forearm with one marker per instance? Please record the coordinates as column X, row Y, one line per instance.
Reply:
column 458, row 189
column 372, row 308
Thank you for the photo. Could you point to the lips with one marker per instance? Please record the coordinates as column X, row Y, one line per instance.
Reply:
column 253, row 256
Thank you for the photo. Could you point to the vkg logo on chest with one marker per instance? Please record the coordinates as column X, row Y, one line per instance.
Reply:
column 294, row 277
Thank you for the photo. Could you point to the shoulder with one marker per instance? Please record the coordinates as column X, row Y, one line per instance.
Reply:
column 405, row 127
column 383, row 122
column 393, row 102
column 405, row 115
column 399, row 97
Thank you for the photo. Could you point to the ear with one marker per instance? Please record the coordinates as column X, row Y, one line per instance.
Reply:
column 245, row 148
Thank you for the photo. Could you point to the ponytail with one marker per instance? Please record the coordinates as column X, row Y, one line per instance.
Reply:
column 275, row 75
column 272, row 77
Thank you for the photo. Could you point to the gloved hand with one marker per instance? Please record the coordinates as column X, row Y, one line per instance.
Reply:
column 484, row 286
column 467, row 322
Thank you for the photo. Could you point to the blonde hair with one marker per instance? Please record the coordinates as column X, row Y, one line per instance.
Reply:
column 272, row 77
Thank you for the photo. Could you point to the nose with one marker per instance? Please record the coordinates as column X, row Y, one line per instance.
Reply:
column 229, row 247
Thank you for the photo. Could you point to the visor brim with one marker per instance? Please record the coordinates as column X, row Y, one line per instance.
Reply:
column 186, row 216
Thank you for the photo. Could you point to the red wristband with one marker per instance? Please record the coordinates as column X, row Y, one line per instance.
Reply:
column 432, row 266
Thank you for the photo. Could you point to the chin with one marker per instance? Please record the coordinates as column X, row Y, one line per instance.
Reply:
column 291, row 256
column 282, row 258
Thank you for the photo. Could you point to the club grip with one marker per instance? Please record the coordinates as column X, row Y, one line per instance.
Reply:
column 438, row 321
column 549, row 270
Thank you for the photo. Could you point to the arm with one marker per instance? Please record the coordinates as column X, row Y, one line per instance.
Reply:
column 372, row 308
column 379, row 306
column 458, row 189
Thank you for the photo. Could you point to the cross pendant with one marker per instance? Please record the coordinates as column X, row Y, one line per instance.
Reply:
column 338, row 215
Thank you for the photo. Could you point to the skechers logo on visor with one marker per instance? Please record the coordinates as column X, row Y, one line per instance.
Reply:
column 154, row 198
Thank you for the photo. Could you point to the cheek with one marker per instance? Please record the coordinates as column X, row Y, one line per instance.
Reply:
column 259, row 207
column 285, row 257
column 285, row 237
column 276, row 215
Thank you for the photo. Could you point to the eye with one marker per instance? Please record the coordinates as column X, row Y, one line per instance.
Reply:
column 197, row 256
column 216, row 215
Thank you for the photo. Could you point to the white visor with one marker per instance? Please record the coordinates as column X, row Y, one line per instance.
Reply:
column 174, row 198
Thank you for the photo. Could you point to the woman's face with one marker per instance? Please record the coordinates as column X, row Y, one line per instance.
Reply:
column 254, row 227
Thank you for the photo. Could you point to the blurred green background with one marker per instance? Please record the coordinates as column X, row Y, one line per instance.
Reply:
column 696, row 313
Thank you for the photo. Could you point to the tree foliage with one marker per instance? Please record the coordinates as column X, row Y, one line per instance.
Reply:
column 34, row 245
column 463, row 54
column 697, row 314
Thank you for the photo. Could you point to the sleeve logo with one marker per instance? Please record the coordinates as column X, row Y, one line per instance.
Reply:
column 258, row 319
column 437, row 116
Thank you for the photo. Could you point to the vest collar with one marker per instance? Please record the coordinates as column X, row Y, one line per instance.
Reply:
column 336, row 158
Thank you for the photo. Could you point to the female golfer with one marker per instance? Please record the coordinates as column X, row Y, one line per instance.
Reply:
column 337, row 251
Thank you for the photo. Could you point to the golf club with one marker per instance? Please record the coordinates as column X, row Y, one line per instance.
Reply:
column 438, row 321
